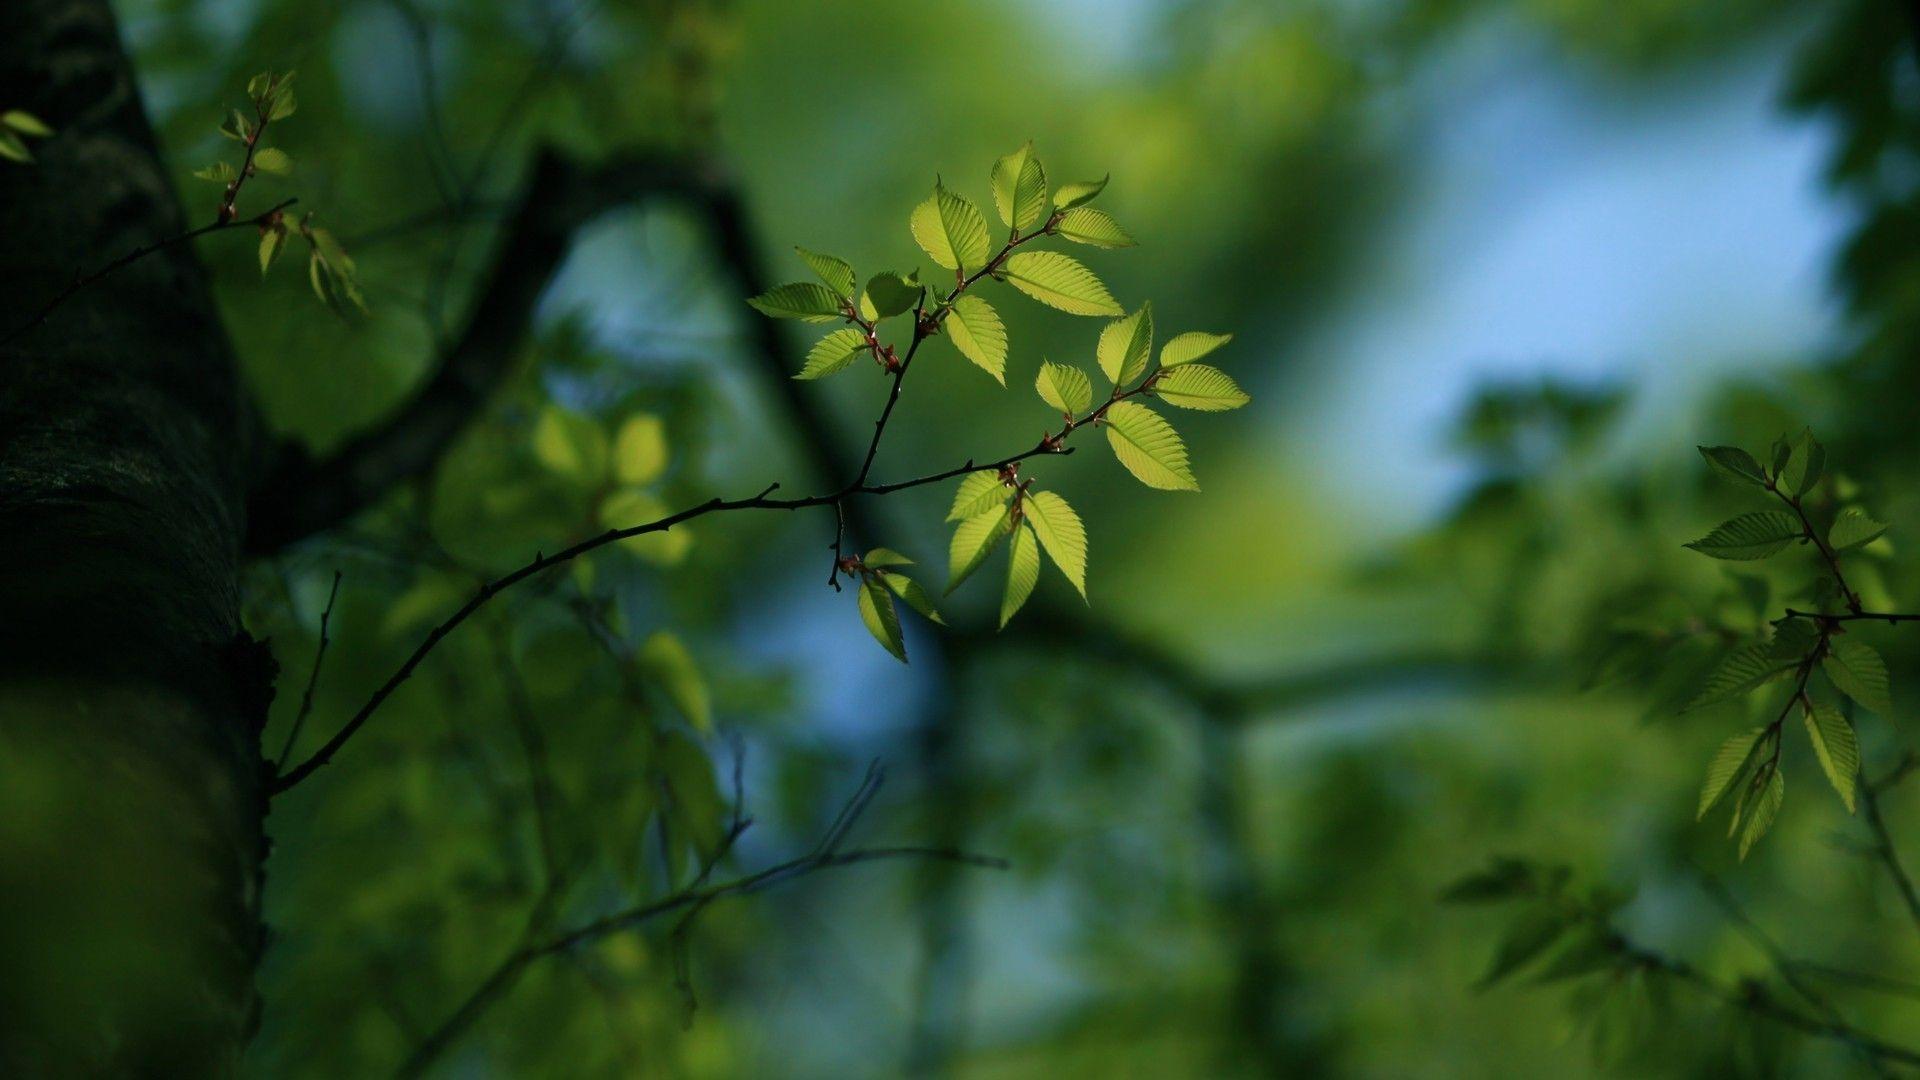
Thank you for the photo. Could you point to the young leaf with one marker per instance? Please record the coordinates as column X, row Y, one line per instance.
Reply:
column 1126, row 345
column 13, row 148
column 571, row 445
column 283, row 102
column 1078, row 192
column 833, row 353
column 1749, row 536
column 1190, row 346
column 883, row 622
column 798, row 300
column 1149, row 447
column 272, row 242
column 1529, row 936
column 1805, row 460
column 1198, row 386
column 1765, row 809
column 1020, row 189
column 235, row 127
column 219, row 172
column 1735, row 464
column 978, row 492
column 1835, row 744
column 666, row 661
column 950, row 229
column 1852, row 529
column 980, row 336
column 1060, row 281
column 1061, row 533
column 1064, row 387
column 880, row 556
column 1857, row 669
column 909, row 590
column 1085, row 225
column 1743, row 669
column 889, row 294
column 1726, row 766
column 836, row 272
column 640, row 449
column 1023, row 569
column 973, row 541
column 343, row 283
column 26, row 123
column 272, row 160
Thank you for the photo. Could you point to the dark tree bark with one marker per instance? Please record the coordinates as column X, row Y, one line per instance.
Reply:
column 131, row 800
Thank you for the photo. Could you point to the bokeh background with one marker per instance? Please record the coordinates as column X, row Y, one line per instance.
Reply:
column 1493, row 269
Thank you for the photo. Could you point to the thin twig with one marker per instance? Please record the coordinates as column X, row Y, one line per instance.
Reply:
column 313, row 677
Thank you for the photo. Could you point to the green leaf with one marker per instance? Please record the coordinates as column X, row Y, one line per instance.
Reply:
column 1064, row 387
column 836, row 272
column 666, row 661
column 1060, row 281
column 1020, row 188
column 640, row 449
column 283, row 102
column 26, row 123
column 1085, row 225
column 1860, row 673
column 571, row 445
column 1726, row 766
column 889, row 294
column 1023, row 569
column 1526, row 938
column 13, row 149
column 880, row 556
column 272, row 160
column 219, row 172
column 979, row 334
column 235, row 127
column 1806, row 458
column 950, row 229
column 1837, row 747
column 1061, row 533
column 272, row 242
column 1197, row 386
column 1765, row 809
column 978, row 492
column 626, row 507
column 1126, row 345
column 831, row 354
column 1149, row 447
column 1743, row 669
column 799, row 300
column 1749, row 536
column 1733, row 463
column 1852, row 529
column 1078, row 192
column 973, row 541
column 1190, row 346
column 882, row 620
column 910, row 590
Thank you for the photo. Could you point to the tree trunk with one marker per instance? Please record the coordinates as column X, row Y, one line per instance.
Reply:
column 130, row 702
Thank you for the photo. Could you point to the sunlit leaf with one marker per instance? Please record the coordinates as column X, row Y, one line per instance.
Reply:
column 640, row 449
column 832, row 354
column 1061, row 533
column 799, row 300
column 219, row 172
column 1086, row 225
column 1064, row 387
column 1198, row 386
column 881, row 618
column 571, row 445
column 884, row 557
column 836, row 272
column 1060, row 281
column 1020, row 188
column 950, row 229
column 1190, row 346
column 915, row 596
column 1125, row 346
column 889, row 294
column 1073, row 194
column 26, row 123
column 624, row 508
column 273, row 160
column 980, row 336
column 978, row 492
column 1023, row 569
column 973, row 540
column 1149, row 447
column 1727, row 764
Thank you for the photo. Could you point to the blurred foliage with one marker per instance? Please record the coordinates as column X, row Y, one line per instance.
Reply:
column 1233, row 800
